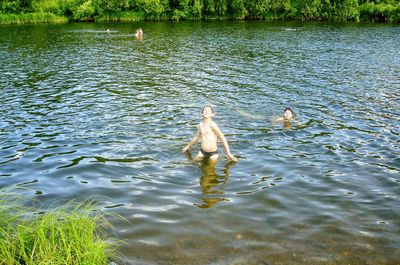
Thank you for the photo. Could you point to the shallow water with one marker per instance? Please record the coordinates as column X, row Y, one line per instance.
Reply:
column 87, row 113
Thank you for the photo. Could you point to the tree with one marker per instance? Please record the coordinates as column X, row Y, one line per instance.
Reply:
column 152, row 8
column 237, row 9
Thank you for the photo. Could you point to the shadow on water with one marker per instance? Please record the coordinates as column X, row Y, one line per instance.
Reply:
column 211, row 183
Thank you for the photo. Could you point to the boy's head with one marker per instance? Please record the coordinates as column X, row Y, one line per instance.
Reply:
column 288, row 113
column 207, row 111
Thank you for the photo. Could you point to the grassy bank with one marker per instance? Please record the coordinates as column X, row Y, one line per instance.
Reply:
column 120, row 16
column 55, row 11
column 59, row 236
column 31, row 18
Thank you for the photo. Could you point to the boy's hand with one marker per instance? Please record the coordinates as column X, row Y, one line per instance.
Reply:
column 232, row 158
column 185, row 149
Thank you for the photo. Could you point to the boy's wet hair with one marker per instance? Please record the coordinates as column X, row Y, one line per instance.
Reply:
column 288, row 109
column 209, row 106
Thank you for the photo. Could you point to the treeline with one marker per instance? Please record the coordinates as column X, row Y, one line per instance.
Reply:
column 26, row 11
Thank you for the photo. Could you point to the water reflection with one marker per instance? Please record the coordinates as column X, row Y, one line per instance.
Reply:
column 211, row 183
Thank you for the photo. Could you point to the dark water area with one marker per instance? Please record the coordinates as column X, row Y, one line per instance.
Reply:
column 88, row 113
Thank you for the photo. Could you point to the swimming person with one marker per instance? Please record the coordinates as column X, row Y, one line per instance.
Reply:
column 208, row 132
column 288, row 116
column 139, row 33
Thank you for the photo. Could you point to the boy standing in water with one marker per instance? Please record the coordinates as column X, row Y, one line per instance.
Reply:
column 208, row 131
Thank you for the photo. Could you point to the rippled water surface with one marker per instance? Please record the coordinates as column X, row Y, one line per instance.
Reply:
column 87, row 113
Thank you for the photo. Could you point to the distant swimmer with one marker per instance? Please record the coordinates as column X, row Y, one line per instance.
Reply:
column 139, row 33
column 287, row 118
column 292, row 29
column 288, row 115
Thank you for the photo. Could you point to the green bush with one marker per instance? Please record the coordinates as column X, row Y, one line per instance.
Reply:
column 197, row 9
column 9, row 6
column 380, row 12
column 84, row 12
column 135, row 10
column 178, row 15
column 152, row 8
column 121, row 16
column 237, row 9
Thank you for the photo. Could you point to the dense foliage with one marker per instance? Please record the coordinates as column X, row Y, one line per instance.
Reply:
column 134, row 10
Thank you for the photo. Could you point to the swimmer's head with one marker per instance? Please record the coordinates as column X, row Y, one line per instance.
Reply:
column 288, row 114
column 207, row 111
column 139, row 33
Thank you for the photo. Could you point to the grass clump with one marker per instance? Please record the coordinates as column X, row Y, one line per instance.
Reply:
column 59, row 236
column 121, row 16
column 30, row 18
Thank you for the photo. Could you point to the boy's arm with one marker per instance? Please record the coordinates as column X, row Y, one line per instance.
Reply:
column 277, row 119
column 193, row 141
column 221, row 136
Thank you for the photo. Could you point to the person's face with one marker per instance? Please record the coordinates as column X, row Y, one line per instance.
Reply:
column 207, row 112
column 288, row 114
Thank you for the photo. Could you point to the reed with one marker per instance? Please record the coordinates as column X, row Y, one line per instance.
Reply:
column 121, row 16
column 58, row 236
column 30, row 18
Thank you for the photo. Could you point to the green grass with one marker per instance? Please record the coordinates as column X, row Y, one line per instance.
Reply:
column 121, row 16
column 59, row 236
column 30, row 18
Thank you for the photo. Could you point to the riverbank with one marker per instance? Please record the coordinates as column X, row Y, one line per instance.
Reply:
column 53, row 11
column 57, row 236
column 32, row 18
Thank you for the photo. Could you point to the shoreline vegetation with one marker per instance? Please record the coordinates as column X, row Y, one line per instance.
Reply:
column 70, row 234
column 62, row 11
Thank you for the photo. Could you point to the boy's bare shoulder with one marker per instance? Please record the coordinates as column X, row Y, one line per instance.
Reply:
column 214, row 126
column 213, row 123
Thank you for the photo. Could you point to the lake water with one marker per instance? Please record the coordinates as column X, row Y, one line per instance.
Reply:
column 87, row 113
